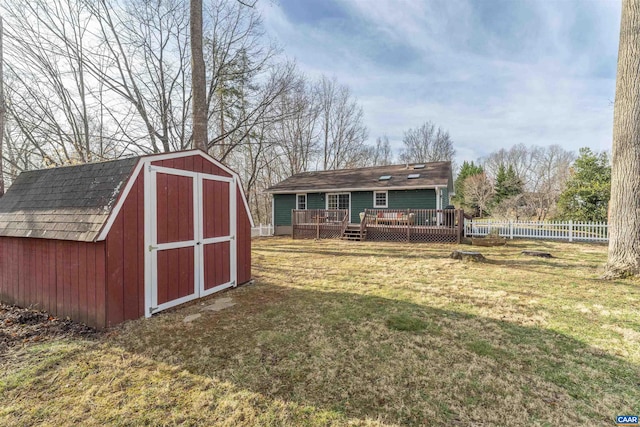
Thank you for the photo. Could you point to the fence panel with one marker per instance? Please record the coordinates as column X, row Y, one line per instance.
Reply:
column 545, row 230
column 262, row 230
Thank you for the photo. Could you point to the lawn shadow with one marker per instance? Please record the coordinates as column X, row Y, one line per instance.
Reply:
column 369, row 357
column 397, row 253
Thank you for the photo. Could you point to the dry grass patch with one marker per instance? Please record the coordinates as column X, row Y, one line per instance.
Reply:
column 337, row 333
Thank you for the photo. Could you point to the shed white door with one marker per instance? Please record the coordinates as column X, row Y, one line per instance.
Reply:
column 192, row 236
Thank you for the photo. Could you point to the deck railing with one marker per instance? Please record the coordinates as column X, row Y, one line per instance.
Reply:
column 408, row 225
column 318, row 223
column 414, row 225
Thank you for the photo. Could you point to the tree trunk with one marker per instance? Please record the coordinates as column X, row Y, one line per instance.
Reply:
column 624, row 206
column 198, row 78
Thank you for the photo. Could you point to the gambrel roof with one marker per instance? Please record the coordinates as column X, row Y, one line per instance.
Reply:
column 79, row 202
column 64, row 203
column 429, row 175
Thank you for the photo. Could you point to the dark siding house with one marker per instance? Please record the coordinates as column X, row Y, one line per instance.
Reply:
column 106, row 242
column 417, row 186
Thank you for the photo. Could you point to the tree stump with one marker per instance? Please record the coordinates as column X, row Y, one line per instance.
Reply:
column 538, row 254
column 468, row 256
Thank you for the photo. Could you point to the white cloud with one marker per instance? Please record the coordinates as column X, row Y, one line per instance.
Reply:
column 545, row 78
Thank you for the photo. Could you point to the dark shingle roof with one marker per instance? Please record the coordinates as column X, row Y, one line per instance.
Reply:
column 433, row 174
column 66, row 203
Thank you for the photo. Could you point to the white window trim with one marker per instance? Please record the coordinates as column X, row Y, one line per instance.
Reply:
column 386, row 199
column 326, row 201
column 305, row 201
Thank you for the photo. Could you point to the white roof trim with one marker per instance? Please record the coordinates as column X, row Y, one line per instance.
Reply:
column 344, row 190
column 155, row 157
column 123, row 196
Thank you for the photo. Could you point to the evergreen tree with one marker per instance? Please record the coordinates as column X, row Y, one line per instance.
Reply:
column 586, row 197
column 508, row 184
column 468, row 169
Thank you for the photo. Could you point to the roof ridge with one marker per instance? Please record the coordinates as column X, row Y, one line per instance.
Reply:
column 83, row 164
column 372, row 167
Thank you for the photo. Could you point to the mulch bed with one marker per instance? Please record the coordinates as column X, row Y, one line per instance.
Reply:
column 19, row 326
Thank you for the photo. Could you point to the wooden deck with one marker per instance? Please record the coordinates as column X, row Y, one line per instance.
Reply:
column 388, row 225
column 319, row 223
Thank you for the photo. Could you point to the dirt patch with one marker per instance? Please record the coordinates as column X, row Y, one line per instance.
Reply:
column 19, row 326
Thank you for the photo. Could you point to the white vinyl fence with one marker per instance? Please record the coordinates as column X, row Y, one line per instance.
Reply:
column 262, row 230
column 547, row 230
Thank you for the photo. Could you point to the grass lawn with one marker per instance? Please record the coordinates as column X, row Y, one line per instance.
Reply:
column 341, row 333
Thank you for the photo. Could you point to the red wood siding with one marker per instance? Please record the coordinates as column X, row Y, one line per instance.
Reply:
column 175, row 208
column 176, row 274
column 192, row 163
column 62, row 277
column 217, row 263
column 125, row 259
column 244, row 241
column 215, row 208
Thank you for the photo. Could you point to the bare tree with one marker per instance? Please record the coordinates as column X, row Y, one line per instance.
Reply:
column 298, row 131
column 382, row 154
column 427, row 144
column 145, row 47
column 478, row 191
column 326, row 93
column 343, row 129
column 624, row 206
column 54, row 98
column 244, row 78
column 511, row 207
column 520, row 157
column 2, row 112
column 542, row 170
column 548, row 179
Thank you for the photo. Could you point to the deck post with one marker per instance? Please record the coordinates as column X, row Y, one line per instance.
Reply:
column 460, row 229
column 408, row 226
column 570, row 230
column 293, row 224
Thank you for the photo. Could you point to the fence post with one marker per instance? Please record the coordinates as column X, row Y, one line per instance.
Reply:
column 511, row 229
column 570, row 230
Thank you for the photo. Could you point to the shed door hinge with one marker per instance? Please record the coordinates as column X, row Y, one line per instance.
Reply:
column 152, row 248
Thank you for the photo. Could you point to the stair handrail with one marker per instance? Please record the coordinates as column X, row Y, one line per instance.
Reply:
column 363, row 223
column 345, row 222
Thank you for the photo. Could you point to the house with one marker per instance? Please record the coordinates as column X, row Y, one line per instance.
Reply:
column 106, row 242
column 416, row 186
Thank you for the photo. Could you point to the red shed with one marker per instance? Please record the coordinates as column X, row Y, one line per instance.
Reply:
column 105, row 242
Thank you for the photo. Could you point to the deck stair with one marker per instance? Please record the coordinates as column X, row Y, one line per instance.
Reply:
column 353, row 233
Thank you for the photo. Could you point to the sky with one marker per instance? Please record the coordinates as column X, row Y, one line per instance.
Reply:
column 494, row 73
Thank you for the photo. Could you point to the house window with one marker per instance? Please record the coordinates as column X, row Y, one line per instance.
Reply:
column 338, row 201
column 380, row 199
column 301, row 201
